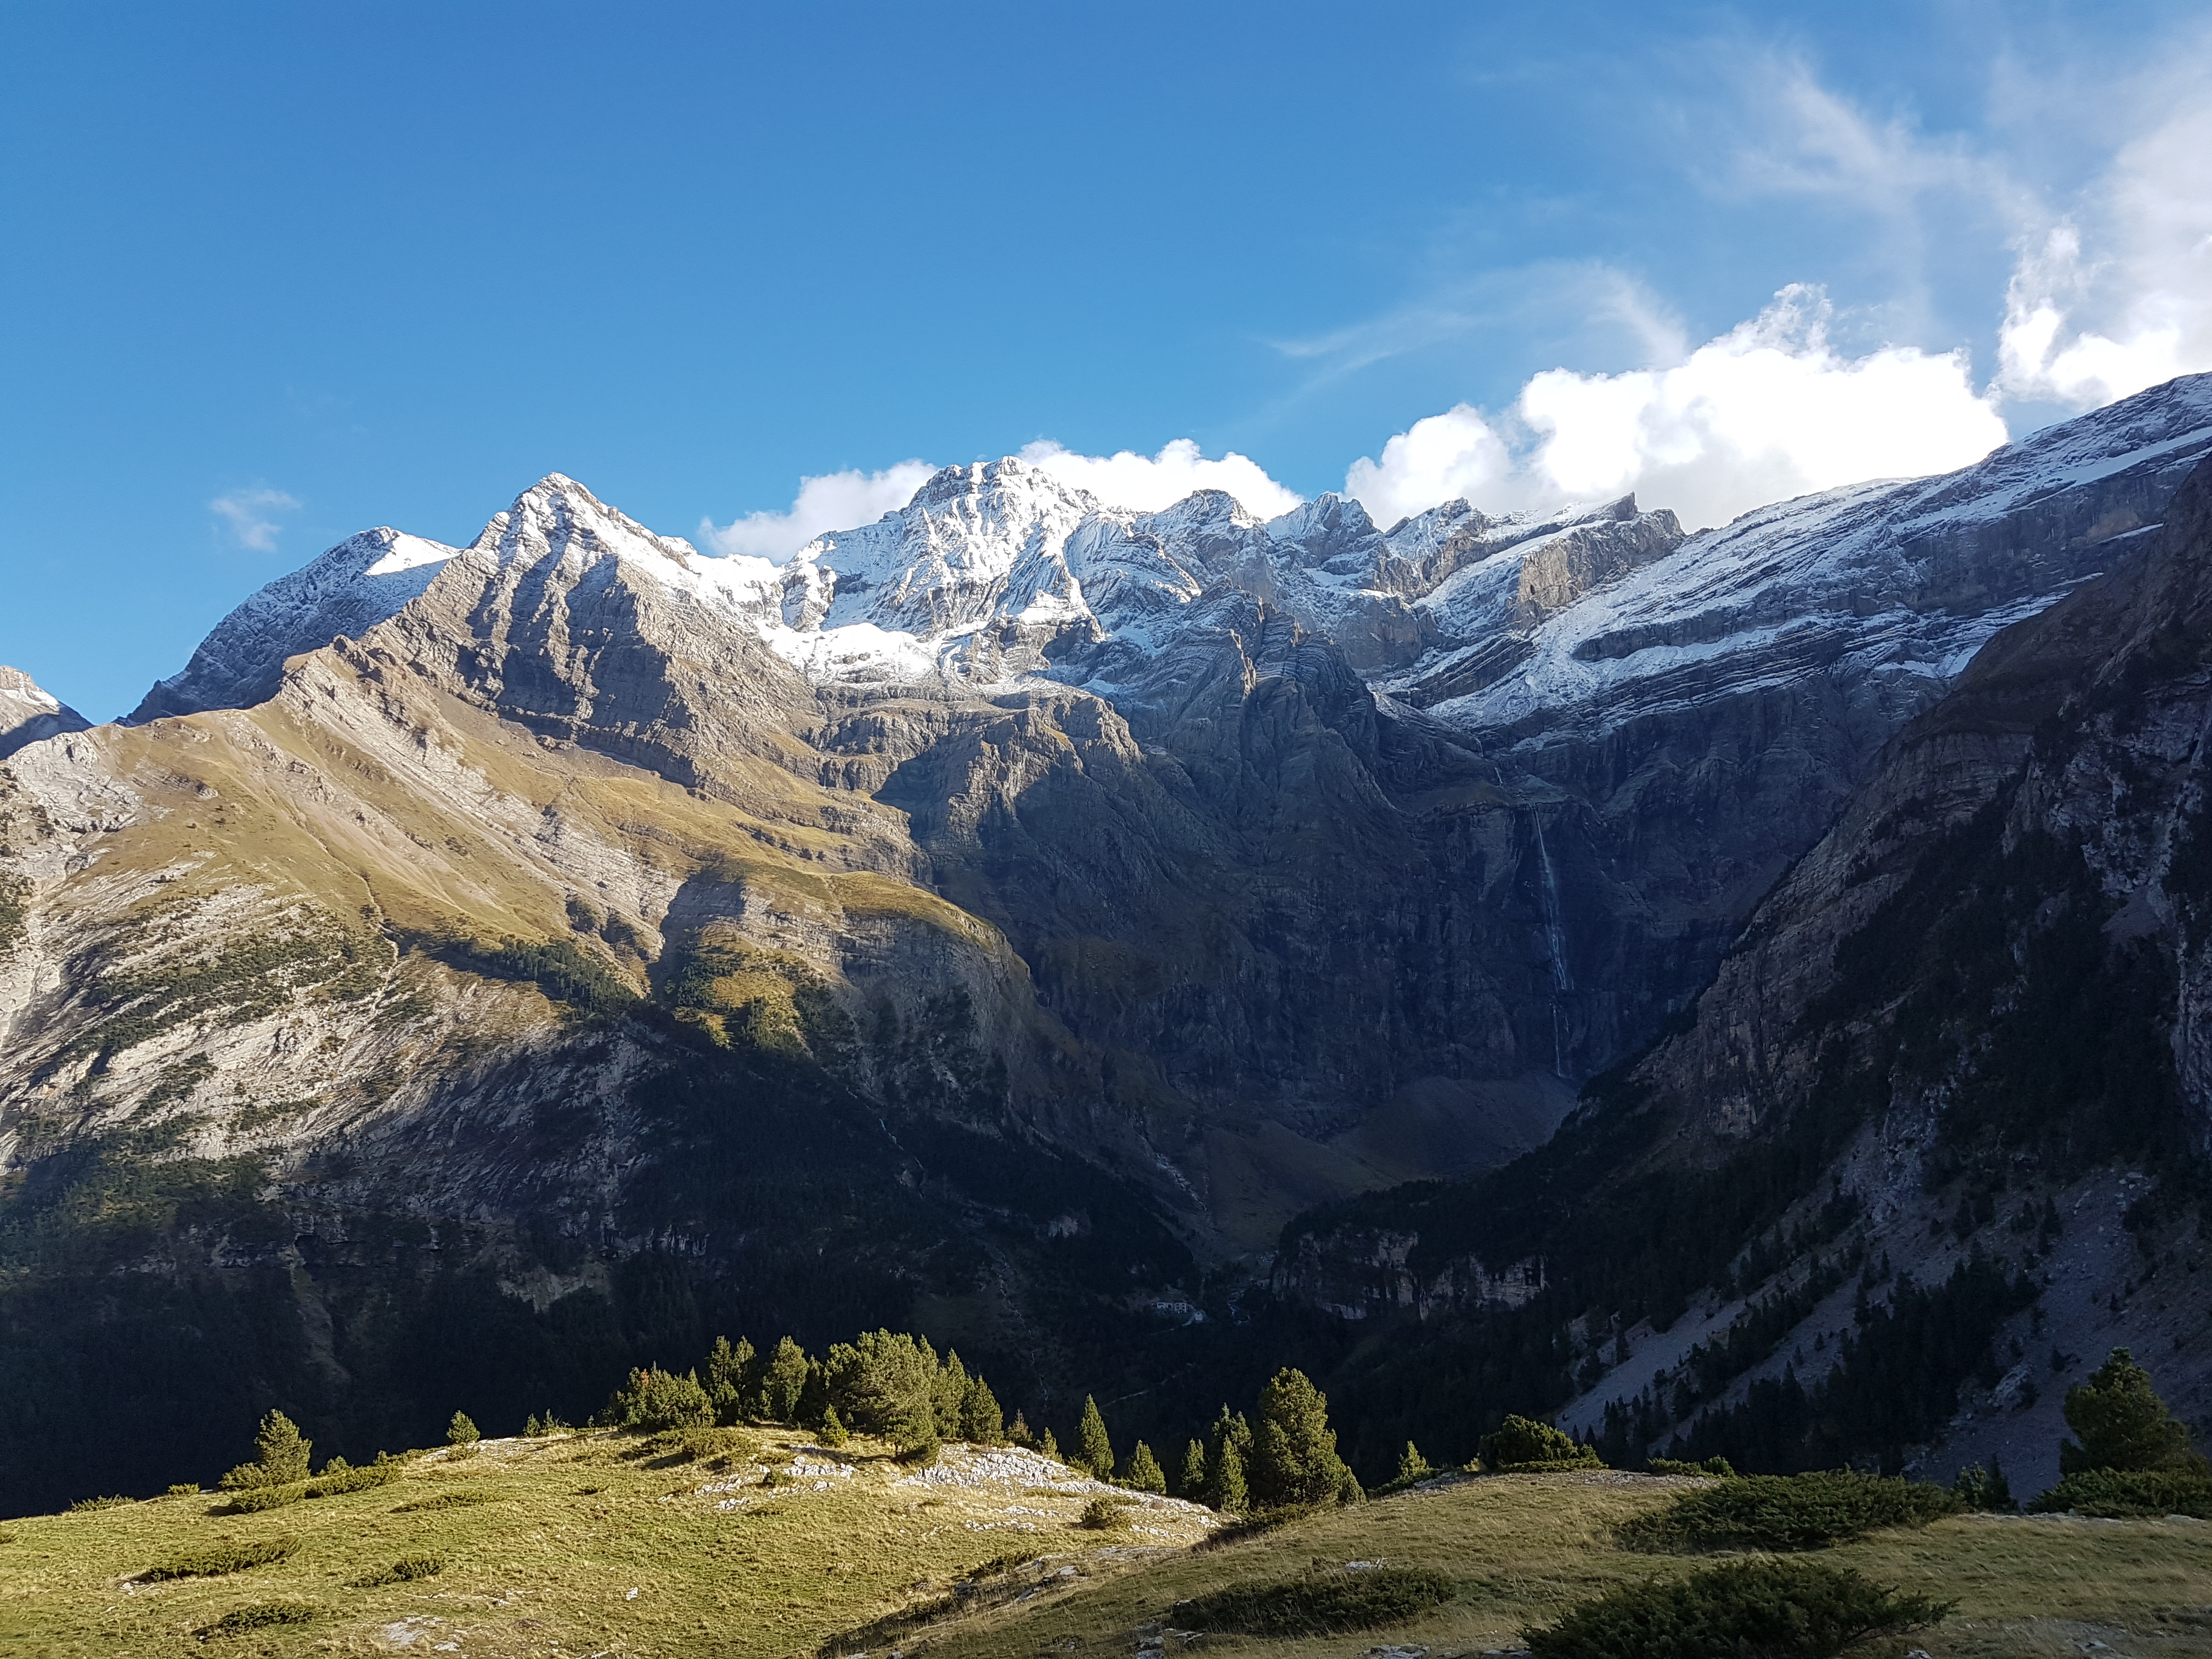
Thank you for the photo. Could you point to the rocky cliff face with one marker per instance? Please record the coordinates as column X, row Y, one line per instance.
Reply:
column 1931, row 1144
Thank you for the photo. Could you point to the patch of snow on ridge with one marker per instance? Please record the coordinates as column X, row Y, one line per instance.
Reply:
column 365, row 580
column 1891, row 574
column 999, row 571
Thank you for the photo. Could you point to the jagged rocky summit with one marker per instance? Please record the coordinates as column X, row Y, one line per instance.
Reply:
column 29, row 714
column 1016, row 894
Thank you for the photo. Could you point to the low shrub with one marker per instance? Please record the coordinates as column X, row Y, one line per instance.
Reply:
column 1713, row 1468
column 340, row 1477
column 214, row 1560
column 185, row 1489
column 259, row 1615
column 84, row 1503
column 1255, row 1522
column 443, row 1500
column 1106, row 1513
column 1985, row 1489
column 1320, row 1605
column 254, row 1499
column 719, row 1446
column 1521, row 1445
column 1786, row 1512
column 1770, row 1610
column 405, row 1571
column 2115, row 1494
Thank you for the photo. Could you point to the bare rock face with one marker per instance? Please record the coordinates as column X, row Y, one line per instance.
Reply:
column 28, row 715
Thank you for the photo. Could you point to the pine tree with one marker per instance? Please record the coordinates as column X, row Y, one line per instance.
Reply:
column 1144, row 1473
column 1228, row 1455
column 950, row 1394
column 1227, row 1491
column 1192, row 1483
column 1019, row 1433
column 833, row 1432
column 981, row 1423
column 1294, row 1457
column 885, row 1382
column 783, row 1381
column 281, row 1457
column 461, row 1432
column 729, row 1376
column 532, row 1428
column 1098, row 1450
column 1048, row 1445
column 1412, row 1465
column 2122, row 1423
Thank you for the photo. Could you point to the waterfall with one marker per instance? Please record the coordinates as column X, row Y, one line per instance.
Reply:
column 1555, row 942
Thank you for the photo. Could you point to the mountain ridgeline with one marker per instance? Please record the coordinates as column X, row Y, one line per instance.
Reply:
column 1118, row 945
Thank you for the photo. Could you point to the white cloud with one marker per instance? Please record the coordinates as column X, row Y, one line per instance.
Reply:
column 248, row 513
column 1767, row 410
column 2085, row 330
column 830, row 500
column 1447, row 456
column 1148, row 483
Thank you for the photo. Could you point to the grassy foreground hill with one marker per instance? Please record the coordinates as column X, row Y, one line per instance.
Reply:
column 596, row 1544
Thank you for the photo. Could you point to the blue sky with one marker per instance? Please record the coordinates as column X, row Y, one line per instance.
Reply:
column 276, row 273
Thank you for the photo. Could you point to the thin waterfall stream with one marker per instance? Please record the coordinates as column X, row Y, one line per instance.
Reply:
column 1555, row 941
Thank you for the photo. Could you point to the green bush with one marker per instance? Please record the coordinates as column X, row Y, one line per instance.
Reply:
column 1756, row 1609
column 338, row 1476
column 695, row 1445
column 260, row 1615
column 1522, row 1445
column 2111, row 1494
column 656, row 1400
column 84, row 1503
column 1985, row 1489
column 1323, row 1604
column 1106, row 1513
column 254, row 1499
column 185, row 1489
column 215, row 1559
column 1786, row 1512
column 1713, row 1468
column 405, row 1571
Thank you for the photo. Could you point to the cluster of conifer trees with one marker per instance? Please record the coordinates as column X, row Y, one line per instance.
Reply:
column 893, row 1385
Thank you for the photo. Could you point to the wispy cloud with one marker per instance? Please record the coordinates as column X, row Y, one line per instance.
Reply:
column 2095, row 313
column 251, row 515
column 826, row 501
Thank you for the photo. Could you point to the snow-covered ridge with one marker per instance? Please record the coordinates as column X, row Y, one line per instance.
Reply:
column 997, row 571
column 361, row 581
column 1904, row 580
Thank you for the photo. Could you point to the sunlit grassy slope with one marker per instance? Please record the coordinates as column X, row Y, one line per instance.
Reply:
column 592, row 1545
column 573, row 1544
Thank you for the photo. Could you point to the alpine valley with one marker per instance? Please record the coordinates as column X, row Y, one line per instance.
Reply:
column 1744, row 992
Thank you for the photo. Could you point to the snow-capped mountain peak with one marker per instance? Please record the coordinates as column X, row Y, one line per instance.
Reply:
column 29, row 713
